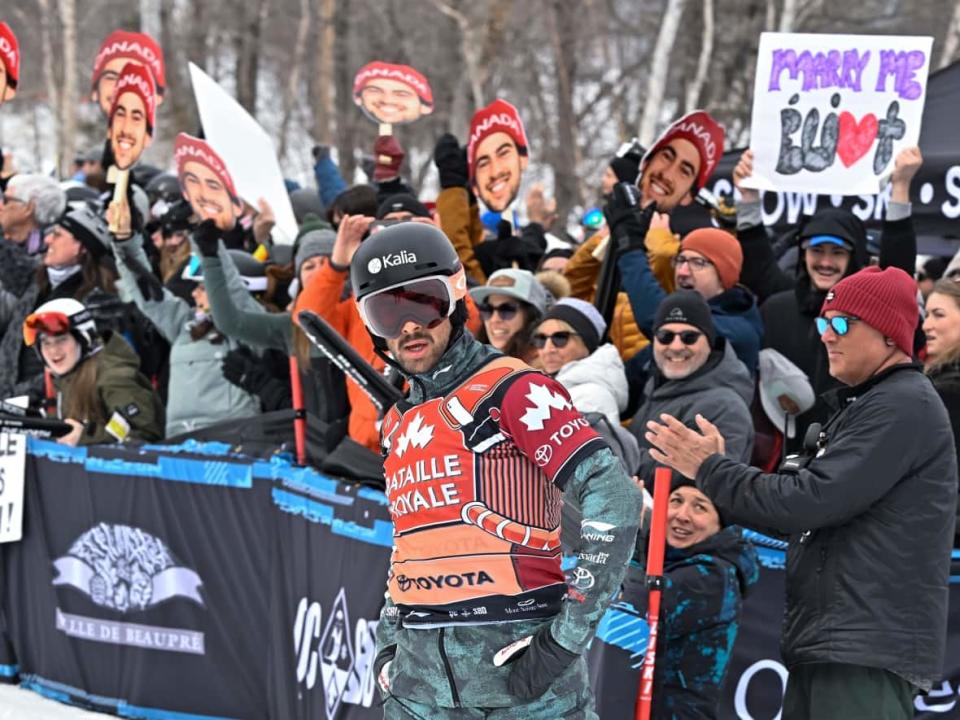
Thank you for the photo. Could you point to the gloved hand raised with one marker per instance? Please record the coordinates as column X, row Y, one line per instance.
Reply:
column 451, row 162
column 536, row 668
column 207, row 238
column 627, row 221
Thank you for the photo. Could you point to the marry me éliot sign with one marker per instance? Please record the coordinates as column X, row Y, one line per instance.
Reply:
column 830, row 112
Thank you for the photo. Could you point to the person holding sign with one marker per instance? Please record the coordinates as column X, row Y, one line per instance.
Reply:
column 392, row 94
column 100, row 390
column 9, row 63
column 120, row 48
column 132, row 114
column 869, row 511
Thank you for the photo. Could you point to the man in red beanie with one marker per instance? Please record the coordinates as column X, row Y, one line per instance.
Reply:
column 206, row 183
column 868, row 506
column 122, row 47
column 9, row 63
column 709, row 262
column 132, row 115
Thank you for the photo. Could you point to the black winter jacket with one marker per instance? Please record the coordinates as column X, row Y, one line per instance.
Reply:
column 946, row 381
column 790, row 304
column 871, row 522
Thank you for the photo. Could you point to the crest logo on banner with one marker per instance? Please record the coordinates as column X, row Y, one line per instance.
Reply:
column 343, row 657
column 127, row 570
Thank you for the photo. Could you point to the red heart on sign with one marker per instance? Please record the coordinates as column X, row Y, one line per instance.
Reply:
column 854, row 138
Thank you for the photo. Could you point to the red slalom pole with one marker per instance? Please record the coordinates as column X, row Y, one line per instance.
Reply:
column 299, row 414
column 655, row 552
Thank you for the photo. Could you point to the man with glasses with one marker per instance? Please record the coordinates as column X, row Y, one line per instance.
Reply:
column 869, row 508
column 695, row 373
column 709, row 262
column 478, row 616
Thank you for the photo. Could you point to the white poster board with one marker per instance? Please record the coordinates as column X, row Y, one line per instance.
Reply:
column 13, row 454
column 830, row 112
column 247, row 151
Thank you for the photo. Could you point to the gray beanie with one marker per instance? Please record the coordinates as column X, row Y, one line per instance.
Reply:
column 313, row 243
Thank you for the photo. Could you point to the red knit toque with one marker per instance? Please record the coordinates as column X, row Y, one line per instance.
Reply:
column 719, row 247
column 886, row 300
column 10, row 57
column 498, row 116
column 132, row 46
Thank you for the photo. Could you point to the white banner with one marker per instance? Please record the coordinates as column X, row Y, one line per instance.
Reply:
column 830, row 112
column 13, row 453
column 247, row 151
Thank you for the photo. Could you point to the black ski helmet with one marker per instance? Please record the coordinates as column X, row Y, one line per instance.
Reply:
column 404, row 253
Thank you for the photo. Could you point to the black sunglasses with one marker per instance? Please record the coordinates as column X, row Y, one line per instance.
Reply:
column 559, row 339
column 507, row 311
column 687, row 337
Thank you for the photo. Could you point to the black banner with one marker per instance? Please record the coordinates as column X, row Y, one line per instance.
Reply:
column 182, row 583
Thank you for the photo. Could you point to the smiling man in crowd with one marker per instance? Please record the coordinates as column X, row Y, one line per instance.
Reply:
column 132, row 115
column 389, row 93
column 868, row 508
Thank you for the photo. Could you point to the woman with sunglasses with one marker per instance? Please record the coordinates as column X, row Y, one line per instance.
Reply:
column 568, row 343
column 942, row 362
column 100, row 391
column 511, row 304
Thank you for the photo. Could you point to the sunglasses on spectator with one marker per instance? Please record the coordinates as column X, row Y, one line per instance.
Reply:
column 839, row 324
column 687, row 337
column 559, row 339
column 695, row 263
column 507, row 311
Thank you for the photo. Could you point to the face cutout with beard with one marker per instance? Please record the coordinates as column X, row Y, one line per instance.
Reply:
column 669, row 176
column 208, row 196
column 392, row 94
column 499, row 168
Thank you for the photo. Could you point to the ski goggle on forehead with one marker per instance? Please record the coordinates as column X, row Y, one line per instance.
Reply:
column 50, row 323
column 426, row 302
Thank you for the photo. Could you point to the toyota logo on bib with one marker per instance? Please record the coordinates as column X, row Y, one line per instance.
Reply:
column 374, row 266
column 543, row 455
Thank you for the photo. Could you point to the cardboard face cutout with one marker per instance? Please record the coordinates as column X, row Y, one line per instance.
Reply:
column 497, row 154
column 117, row 50
column 205, row 182
column 9, row 63
column 131, row 115
column 392, row 94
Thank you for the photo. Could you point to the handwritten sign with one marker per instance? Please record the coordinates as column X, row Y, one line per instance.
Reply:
column 13, row 453
column 246, row 150
column 831, row 111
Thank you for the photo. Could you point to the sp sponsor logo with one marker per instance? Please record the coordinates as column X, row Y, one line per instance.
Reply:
column 582, row 579
column 545, row 401
column 404, row 257
column 337, row 653
column 597, row 531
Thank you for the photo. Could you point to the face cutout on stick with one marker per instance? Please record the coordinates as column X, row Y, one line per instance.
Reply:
column 9, row 63
column 497, row 154
column 117, row 50
column 205, row 182
column 130, row 131
column 392, row 94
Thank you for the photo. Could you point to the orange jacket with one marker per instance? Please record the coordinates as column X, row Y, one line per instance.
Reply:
column 584, row 267
column 322, row 295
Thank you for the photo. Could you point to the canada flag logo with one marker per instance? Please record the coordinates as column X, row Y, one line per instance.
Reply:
column 544, row 402
column 417, row 434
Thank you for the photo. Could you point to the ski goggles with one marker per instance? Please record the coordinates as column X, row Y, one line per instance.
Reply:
column 840, row 324
column 49, row 323
column 426, row 302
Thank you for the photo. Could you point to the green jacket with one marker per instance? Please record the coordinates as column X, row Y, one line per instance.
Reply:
column 125, row 396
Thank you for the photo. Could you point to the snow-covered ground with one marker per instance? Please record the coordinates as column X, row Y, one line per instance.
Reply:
column 19, row 704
